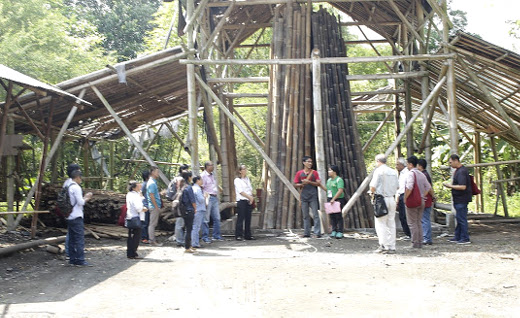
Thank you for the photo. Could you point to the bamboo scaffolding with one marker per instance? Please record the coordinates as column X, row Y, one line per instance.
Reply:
column 433, row 95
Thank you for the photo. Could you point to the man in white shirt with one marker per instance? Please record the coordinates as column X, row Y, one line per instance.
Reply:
column 401, row 208
column 385, row 183
column 75, row 221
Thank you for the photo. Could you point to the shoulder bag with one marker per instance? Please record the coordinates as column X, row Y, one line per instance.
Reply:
column 414, row 200
column 380, row 208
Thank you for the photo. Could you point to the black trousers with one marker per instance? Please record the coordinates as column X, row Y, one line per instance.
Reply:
column 401, row 208
column 244, row 210
column 336, row 219
column 188, row 226
column 132, row 243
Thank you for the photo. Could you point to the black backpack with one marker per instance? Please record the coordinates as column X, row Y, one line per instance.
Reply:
column 63, row 201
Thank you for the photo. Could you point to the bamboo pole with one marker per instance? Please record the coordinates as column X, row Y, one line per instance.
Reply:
column 365, row 182
column 318, row 129
column 500, row 188
column 226, row 3
column 10, row 172
column 325, row 60
column 5, row 115
column 192, row 100
column 232, row 118
column 478, row 172
column 378, row 129
column 46, row 141
column 238, row 80
column 128, row 133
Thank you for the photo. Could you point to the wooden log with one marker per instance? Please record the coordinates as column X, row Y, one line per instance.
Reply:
column 23, row 246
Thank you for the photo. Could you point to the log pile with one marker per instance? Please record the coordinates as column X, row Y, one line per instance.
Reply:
column 342, row 141
column 104, row 207
column 290, row 133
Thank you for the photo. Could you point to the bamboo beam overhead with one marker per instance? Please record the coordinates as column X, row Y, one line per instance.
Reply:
column 327, row 60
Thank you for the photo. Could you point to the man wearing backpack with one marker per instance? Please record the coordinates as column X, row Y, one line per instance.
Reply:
column 173, row 187
column 461, row 194
column 75, row 221
column 68, row 182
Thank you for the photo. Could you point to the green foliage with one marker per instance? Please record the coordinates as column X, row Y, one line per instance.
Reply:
column 155, row 38
column 37, row 39
column 123, row 23
column 367, row 68
column 460, row 22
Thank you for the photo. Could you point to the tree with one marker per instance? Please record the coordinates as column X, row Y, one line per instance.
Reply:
column 123, row 23
column 38, row 40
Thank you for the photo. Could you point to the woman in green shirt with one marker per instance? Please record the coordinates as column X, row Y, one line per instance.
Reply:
column 336, row 193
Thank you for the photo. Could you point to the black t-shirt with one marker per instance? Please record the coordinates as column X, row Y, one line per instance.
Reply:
column 461, row 177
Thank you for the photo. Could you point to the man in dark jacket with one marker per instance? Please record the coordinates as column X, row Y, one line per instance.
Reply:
column 462, row 195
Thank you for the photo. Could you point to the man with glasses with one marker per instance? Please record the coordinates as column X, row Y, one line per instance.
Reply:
column 308, row 181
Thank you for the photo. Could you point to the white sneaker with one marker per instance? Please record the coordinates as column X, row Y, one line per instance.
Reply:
column 380, row 249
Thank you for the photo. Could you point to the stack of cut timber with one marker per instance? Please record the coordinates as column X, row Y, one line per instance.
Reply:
column 289, row 125
column 290, row 129
column 104, row 207
column 341, row 137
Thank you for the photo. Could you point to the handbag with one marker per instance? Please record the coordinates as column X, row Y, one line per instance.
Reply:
column 415, row 199
column 380, row 208
column 133, row 223
column 331, row 208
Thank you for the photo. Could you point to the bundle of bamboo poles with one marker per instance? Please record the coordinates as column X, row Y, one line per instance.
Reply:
column 290, row 129
column 341, row 138
column 289, row 124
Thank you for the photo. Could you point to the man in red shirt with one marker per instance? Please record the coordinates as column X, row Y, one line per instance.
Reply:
column 308, row 180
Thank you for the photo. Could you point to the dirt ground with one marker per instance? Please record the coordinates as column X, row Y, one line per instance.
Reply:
column 278, row 275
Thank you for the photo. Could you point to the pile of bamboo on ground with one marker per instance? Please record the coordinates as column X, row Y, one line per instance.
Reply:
column 341, row 137
column 290, row 133
column 289, row 124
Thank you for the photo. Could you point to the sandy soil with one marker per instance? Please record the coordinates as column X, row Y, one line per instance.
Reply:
column 278, row 275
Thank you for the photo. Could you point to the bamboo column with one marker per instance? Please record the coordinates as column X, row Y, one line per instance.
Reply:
column 478, row 172
column 318, row 133
column 192, row 99
column 500, row 188
column 450, row 86
column 10, row 169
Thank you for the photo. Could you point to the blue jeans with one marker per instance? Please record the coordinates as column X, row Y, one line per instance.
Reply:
column 461, row 230
column 179, row 231
column 197, row 224
column 144, row 227
column 76, row 241
column 306, row 217
column 426, row 225
column 212, row 212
